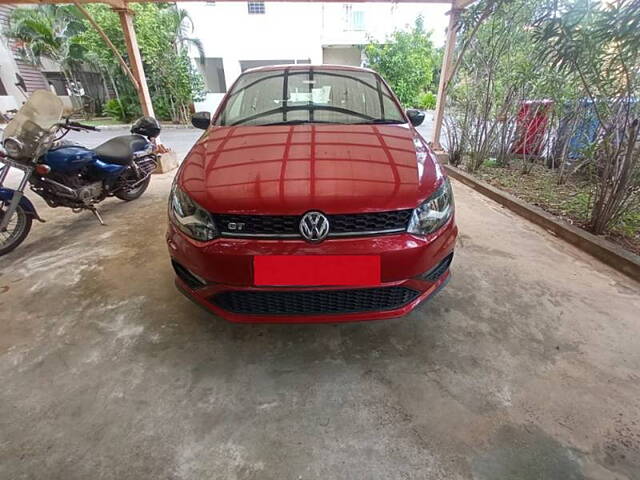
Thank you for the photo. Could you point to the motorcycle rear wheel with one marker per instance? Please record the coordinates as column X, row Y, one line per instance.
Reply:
column 17, row 229
column 132, row 194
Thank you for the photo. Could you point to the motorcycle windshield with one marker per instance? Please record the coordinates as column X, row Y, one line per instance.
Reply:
column 34, row 121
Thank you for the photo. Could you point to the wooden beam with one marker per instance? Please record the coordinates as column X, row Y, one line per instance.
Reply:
column 107, row 40
column 445, row 72
column 126, row 20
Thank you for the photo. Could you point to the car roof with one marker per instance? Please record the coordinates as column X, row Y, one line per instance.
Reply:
column 307, row 66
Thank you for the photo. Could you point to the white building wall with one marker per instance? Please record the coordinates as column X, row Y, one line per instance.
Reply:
column 285, row 31
column 8, row 70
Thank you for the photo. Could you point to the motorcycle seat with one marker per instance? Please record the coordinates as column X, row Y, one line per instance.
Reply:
column 120, row 150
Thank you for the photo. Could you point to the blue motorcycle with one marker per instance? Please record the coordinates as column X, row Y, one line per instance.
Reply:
column 63, row 173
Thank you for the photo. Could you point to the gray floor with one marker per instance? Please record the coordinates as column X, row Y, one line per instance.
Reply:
column 525, row 367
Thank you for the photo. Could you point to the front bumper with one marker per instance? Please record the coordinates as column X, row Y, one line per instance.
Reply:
column 226, row 267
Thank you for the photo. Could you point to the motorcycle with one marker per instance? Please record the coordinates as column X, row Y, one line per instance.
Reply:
column 64, row 173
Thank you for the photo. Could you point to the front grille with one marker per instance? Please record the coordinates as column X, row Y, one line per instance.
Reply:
column 369, row 222
column 314, row 302
column 353, row 224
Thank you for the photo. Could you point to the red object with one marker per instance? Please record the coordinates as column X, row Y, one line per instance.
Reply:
column 531, row 127
column 288, row 170
column 43, row 169
column 316, row 270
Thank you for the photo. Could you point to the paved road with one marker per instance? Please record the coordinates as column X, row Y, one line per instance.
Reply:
column 524, row 367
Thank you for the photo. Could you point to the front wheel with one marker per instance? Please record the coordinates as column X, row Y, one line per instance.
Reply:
column 17, row 228
column 133, row 193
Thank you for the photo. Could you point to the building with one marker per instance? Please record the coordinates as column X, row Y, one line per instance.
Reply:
column 241, row 35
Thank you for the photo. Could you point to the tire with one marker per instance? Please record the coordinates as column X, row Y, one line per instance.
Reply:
column 13, row 237
column 128, row 195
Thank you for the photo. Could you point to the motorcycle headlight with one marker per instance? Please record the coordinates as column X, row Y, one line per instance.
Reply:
column 434, row 212
column 13, row 147
column 189, row 217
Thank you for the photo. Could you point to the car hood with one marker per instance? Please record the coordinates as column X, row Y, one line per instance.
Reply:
column 291, row 169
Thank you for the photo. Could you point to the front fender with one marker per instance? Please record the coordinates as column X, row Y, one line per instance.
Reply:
column 6, row 194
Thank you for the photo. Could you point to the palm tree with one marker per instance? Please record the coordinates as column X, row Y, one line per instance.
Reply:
column 183, row 27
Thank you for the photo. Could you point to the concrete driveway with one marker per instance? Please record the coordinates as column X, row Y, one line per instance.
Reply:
column 527, row 366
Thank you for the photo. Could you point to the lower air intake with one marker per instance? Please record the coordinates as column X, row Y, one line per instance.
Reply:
column 439, row 269
column 186, row 276
column 314, row 302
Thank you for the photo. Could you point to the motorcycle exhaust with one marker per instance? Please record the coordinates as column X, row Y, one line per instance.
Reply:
column 65, row 191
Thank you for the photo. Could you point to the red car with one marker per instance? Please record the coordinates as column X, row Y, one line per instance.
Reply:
column 310, row 197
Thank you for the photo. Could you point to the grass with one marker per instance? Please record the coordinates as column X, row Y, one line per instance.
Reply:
column 570, row 201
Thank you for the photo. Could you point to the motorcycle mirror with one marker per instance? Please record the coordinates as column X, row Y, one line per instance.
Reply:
column 201, row 120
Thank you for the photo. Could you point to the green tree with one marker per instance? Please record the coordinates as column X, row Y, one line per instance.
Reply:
column 65, row 36
column 406, row 60
column 599, row 46
column 161, row 30
column 45, row 32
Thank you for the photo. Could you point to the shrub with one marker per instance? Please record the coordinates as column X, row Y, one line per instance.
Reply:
column 426, row 101
column 406, row 60
column 122, row 110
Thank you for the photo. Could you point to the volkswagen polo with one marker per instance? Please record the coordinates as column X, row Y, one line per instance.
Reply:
column 310, row 197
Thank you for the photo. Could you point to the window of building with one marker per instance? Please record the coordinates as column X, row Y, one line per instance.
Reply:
column 255, row 8
column 357, row 20
column 213, row 73
column 353, row 19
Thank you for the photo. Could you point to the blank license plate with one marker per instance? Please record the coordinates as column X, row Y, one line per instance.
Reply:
column 314, row 270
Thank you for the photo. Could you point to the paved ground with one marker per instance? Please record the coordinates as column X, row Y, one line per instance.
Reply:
column 527, row 366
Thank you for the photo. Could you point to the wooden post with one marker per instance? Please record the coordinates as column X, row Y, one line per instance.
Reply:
column 126, row 20
column 445, row 74
column 107, row 40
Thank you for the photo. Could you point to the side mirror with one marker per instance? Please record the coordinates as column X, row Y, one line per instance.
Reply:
column 416, row 117
column 201, row 120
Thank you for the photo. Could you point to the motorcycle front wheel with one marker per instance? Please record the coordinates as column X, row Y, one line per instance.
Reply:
column 17, row 228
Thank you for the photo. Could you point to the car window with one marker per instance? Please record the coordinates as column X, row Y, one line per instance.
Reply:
column 309, row 96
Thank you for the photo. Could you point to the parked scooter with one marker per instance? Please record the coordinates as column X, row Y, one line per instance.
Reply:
column 66, row 174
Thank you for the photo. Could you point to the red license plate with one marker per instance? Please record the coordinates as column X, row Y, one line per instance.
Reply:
column 314, row 270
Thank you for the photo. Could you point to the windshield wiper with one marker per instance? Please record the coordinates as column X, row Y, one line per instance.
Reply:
column 380, row 121
column 294, row 122
column 307, row 108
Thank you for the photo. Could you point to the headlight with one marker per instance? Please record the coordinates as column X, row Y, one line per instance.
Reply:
column 433, row 213
column 189, row 217
column 14, row 147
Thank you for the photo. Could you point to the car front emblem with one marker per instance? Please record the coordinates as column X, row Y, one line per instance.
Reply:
column 314, row 227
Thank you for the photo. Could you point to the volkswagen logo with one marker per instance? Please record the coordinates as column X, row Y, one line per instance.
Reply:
column 314, row 227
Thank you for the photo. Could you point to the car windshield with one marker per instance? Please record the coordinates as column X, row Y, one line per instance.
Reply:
column 276, row 97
